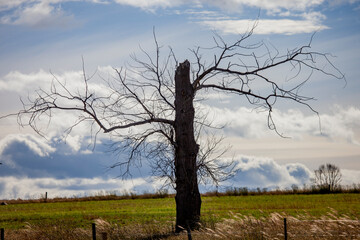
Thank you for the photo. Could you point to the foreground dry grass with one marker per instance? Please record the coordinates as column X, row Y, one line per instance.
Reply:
column 329, row 227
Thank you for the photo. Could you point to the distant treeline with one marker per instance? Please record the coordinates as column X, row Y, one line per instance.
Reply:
column 312, row 189
column 234, row 191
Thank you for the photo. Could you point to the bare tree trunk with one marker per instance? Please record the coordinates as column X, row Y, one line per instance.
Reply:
column 188, row 201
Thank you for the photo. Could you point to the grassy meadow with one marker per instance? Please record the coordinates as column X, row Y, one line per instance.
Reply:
column 128, row 218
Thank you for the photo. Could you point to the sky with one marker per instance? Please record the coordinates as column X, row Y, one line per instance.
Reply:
column 40, row 39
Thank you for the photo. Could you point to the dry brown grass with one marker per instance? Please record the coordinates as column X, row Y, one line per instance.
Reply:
column 63, row 231
column 245, row 227
column 328, row 227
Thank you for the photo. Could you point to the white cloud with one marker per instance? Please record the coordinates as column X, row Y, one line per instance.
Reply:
column 26, row 86
column 265, row 26
column 252, row 173
column 20, row 82
column 25, row 83
column 37, row 144
column 340, row 124
column 264, row 172
column 150, row 4
column 200, row 14
column 63, row 175
column 309, row 21
column 316, row 17
column 349, row 177
column 6, row 4
column 273, row 5
column 40, row 14
column 74, row 141
column 100, row 1
column 230, row 5
column 25, row 188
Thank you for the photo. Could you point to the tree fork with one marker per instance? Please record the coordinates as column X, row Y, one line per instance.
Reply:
column 188, row 200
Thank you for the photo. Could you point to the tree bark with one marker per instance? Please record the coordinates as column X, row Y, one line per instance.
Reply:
column 188, row 201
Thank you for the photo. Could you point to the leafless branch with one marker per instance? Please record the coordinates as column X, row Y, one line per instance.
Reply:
column 137, row 106
column 238, row 68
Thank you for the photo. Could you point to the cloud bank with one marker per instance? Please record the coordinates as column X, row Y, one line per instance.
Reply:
column 31, row 166
column 340, row 124
column 37, row 14
column 265, row 26
column 256, row 172
column 281, row 17
column 33, row 188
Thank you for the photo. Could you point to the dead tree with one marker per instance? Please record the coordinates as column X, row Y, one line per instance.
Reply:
column 149, row 106
column 328, row 177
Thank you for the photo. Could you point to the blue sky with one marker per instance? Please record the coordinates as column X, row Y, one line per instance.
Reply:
column 40, row 37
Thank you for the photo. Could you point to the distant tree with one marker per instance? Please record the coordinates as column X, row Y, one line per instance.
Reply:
column 159, row 95
column 328, row 176
column 294, row 187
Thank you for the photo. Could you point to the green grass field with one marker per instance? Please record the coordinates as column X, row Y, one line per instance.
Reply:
column 162, row 211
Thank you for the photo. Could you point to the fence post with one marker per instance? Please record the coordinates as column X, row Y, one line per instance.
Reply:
column 188, row 231
column 285, row 230
column 45, row 196
column 2, row 234
column 94, row 231
column 189, row 234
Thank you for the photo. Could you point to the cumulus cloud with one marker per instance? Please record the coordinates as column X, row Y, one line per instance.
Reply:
column 5, row 4
column 24, row 83
column 37, row 14
column 28, row 155
column 22, row 187
column 42, row 13
column 230, row 5
column 37, row 145
column 341, row 123
column 310, row 21
column 226, row 4
column 150, row 4
column 265, row 26
column 19, row 82
column 306, row 19
column 58, row 126
column 300, row 15
column 260, row 172
column 35, row 157
column 32, row 166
